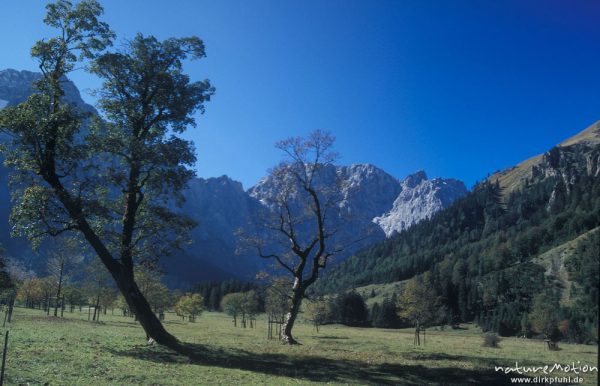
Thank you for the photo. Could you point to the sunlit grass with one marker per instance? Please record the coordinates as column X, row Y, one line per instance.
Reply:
column 74, row 351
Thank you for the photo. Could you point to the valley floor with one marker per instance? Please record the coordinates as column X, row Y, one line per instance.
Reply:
column 73, row 351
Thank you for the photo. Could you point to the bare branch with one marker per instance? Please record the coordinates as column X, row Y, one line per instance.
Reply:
column 276, row 257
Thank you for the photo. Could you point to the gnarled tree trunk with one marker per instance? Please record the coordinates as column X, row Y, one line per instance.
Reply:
column 290, row 317
column 140, row 307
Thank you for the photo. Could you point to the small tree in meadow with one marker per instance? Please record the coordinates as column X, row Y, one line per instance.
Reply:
column 277, row 299
column 74, row 296
column 418, row 303
column 317, row 312
column 64, row 259
column 98, row 286
column 48, row 287
column 149, row 282
column 30, row 292
column 232, row 304
column 190, row 305
column 544, row 316
column 108, row 299
column 250, row 307
column 122, row 305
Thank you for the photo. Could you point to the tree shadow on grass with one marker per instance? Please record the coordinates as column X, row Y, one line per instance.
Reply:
column 319, row 369
column 484, row 362
column 481, row 361
column 330, row 337
column 447, row 357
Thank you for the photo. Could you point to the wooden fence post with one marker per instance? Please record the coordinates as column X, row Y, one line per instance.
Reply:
column 3, row 358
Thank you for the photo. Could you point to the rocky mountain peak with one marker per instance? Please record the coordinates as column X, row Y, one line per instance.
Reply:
column 360, row 174
column 419, row 199
column 412, row 180
column 16, row 86
column 377, row 202
column 222, row 182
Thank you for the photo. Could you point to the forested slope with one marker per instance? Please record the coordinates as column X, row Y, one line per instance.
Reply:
column 482, row 253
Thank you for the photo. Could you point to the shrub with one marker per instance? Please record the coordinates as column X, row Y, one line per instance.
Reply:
column 491, row 340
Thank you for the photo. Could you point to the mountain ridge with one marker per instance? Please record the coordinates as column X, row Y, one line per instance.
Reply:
column 221, row 206
column 513, row 178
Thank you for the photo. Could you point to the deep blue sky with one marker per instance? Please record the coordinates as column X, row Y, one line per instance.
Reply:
column 457, row 88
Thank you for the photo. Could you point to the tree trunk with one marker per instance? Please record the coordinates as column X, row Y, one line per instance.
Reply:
column 122, row 275
column 417, row 341
column 139, row 306
column 10, row 308
column 96, row 316
column 60, row 279
column 290, row 317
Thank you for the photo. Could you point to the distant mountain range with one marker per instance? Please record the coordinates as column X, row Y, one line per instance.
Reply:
column 377, row 204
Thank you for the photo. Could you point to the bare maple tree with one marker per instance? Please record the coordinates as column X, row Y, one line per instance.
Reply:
column 298, row 232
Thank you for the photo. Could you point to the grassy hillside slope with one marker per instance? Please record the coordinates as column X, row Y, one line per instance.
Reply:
column 514, row 178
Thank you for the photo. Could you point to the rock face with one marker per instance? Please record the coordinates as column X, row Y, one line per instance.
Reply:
column 574, row 156
column 373, row 204
column 16, row 86
column 419, row 199
column 221, row 208
column 566, row 162
column 373, row 196
column 367, row 192
column 219, row 203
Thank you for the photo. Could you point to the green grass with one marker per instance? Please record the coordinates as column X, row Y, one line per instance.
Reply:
column 73, row 351
column 381, row 291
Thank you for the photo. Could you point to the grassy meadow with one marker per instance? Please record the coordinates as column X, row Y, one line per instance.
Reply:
column 44, row 350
